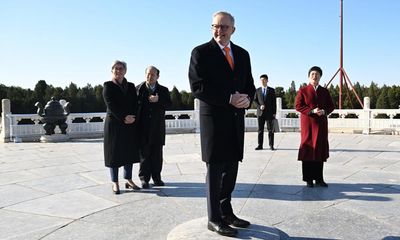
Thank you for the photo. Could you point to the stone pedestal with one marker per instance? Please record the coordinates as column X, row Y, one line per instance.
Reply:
column 54, row 138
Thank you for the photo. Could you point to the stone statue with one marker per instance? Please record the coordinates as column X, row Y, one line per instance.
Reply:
column 54, row 113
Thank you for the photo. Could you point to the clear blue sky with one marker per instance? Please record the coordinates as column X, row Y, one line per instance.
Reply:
column 63, row 41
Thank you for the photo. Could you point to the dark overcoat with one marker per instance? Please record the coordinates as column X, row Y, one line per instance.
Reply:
column 120, row 139
column 269, row 101
column 314, row 144
column 212, row 81
column 151, row 116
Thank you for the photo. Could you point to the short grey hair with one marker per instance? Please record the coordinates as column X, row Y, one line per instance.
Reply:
column 152, row 67
column 225, row 14
column 118, row 62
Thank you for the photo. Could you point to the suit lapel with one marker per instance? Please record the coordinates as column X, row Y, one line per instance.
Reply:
column 236, row 57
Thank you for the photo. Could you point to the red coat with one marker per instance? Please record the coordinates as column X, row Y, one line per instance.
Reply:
column 314, row 144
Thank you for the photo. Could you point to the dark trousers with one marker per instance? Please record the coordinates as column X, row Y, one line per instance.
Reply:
column 151, row 162
column 220, row 182
column 127, row 172
column 312, row 171
column 261, row 123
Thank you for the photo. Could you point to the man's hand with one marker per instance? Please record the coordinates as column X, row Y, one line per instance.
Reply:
column 153, row 98
column 129, row 119
column 240, row 100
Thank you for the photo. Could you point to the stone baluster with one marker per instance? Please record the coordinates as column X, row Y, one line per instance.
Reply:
column 279, row 112
column 367, row 116
column 196, row 115
column 5, row 121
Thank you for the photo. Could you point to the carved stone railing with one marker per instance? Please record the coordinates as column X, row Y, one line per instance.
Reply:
column 27, row 127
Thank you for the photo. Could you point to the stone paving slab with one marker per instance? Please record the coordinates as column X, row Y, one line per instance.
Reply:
column 17, row 225
column 194, row 229
column 74, row 204
column 62, row 191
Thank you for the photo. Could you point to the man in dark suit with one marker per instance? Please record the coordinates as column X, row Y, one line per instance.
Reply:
column 220, row 77
column 265, row 101
column 153, row 100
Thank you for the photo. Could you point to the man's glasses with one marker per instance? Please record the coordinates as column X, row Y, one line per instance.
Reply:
column 222, row 27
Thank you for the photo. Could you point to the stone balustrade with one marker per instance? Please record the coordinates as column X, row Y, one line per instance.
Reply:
column 27, row 127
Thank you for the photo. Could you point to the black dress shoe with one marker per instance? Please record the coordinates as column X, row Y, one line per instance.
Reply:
column 145, row 185
column 258, row 148
column 310, row 184
column 221, row 229
column 321, row 183
column 159, row 183
column 272, row 148
column 235, row 221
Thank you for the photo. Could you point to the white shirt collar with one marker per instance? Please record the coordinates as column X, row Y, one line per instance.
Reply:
column 316, row 87
column 222, row 47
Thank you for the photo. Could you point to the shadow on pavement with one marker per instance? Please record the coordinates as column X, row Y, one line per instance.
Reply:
column 335, row 191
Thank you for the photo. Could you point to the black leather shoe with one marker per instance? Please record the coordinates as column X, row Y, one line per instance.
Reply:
column 159, row 183
column 258, row 148
column 235, row 221
column 221, row 229
column 272, row 148
column 321, row 183
column 145, row 185
column 310, row 184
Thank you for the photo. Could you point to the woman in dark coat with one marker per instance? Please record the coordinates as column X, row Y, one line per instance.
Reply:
column 315, row 104
column 120, row 147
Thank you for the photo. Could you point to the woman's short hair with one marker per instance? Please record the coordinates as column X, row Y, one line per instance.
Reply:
column 315, row 68
column 118, row 62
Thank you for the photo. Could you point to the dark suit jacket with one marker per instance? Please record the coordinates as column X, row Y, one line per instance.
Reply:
column 151, row 116
column 269, row 101
column 212, row 81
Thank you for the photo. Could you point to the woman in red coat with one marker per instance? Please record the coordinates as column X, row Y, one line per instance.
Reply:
column 314, row 103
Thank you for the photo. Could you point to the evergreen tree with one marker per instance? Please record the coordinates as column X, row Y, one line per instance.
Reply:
column 40, row 92
column 71, row 97
column 334, row 91
column 98, row 92
column 3, row 94
column 358, row 89
column 373, row 93
column 87, row 99
column 187, row 100
column 383, row 99
column 394, row 97
column 17, row 97
column 290, row 97
column 176, row 99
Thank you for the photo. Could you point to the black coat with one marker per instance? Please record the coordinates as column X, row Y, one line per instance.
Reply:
column 120, row 140
column 269, row 101
column 151, row 116
column 213, row 81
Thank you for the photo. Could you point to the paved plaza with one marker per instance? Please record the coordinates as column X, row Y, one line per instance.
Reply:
column 62, row 191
